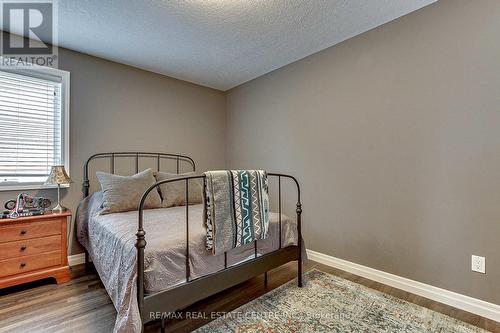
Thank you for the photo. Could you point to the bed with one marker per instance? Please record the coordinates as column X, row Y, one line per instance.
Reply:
column 153, row 261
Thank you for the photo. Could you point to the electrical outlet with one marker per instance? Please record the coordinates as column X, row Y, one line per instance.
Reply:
column 478, row 264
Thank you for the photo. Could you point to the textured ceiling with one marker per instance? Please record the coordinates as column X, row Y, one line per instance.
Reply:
column 218, row 43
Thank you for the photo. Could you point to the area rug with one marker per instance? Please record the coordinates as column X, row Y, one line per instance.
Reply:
column 328, row 303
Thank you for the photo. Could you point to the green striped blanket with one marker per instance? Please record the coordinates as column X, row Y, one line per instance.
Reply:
column 236, row 208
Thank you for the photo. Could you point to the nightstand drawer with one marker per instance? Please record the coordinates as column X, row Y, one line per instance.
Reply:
column 14, row 232
column 29, row 247
column 30, row 263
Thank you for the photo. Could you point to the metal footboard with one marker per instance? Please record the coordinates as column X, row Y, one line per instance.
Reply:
column 196, row 289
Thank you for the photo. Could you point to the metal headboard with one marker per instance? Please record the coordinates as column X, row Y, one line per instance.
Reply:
column 136, row 155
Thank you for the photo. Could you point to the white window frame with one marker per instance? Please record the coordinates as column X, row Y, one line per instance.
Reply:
column 50, row 74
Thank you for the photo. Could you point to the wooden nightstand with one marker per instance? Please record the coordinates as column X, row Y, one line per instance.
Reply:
column 33, row 248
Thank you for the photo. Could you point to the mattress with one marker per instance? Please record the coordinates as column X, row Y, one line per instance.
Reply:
column 110, row 241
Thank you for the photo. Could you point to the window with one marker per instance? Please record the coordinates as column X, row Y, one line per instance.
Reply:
column 34, row 125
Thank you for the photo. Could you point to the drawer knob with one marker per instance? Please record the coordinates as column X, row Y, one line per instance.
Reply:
column 23, row 264
column 23, row 232
column 23, row 247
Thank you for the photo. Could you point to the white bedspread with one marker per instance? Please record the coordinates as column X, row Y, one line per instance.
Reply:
column 110, row 241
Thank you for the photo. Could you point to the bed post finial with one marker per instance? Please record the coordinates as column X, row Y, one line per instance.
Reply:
column 141, row 240
column 298, row 210
column 86, row 186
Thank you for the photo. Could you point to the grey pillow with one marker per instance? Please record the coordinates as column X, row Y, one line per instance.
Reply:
column 174, row 193
column 123, row 193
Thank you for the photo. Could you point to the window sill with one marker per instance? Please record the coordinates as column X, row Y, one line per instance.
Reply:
column 29, row 187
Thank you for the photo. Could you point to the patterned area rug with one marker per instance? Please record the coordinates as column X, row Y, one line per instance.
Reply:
column 328, row 303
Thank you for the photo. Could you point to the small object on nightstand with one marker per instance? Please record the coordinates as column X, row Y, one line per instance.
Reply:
column 26, row 205
column 34, row 248
column 58, row 176
column 28, row 202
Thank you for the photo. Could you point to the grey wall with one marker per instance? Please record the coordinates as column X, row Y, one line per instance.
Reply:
column 117, row 107
column 395, row 138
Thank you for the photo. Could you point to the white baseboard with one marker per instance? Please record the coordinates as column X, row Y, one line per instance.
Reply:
column 76, row 259
column 466, row 303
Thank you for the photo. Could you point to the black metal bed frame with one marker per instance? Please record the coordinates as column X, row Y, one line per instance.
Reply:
column 193, row 290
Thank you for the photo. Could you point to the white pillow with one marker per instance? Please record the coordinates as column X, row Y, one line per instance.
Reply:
column 174, row 193
column 123, row 193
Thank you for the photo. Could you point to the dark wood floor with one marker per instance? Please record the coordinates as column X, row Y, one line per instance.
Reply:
column 82, row 305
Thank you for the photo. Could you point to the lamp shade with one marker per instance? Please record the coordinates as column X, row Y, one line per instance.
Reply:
column 58, row 175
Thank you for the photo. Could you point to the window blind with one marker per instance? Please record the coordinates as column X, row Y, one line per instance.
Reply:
column 30, row 128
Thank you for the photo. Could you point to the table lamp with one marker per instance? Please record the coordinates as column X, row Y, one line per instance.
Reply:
column 58, row 176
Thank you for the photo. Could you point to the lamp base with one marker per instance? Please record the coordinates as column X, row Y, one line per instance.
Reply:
column 59, row 209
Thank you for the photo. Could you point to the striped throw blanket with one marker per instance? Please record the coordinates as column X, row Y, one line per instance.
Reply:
column 236, row 208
